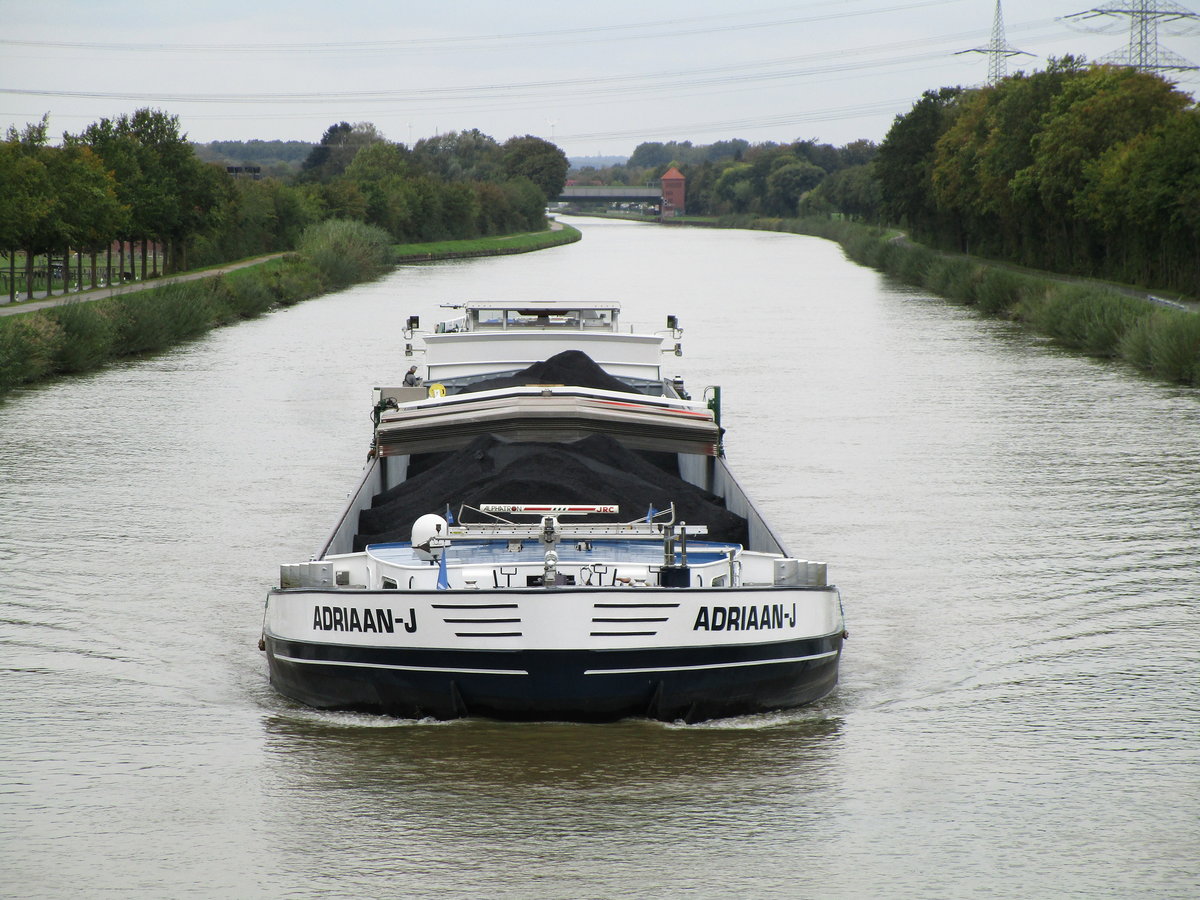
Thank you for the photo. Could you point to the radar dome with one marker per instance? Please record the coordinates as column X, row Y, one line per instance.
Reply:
column 425, row 529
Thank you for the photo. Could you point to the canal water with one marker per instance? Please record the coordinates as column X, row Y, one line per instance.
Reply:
column 1015, row 532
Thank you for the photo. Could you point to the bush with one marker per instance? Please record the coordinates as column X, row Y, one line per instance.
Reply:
column 294, row 279
column 1108, row 319
column 998, row 291
column 952, row 277
column 1096, row 321
column 909, row 262
column 1059, row 313
column 865, row 249
column 1135, row 345
column 191, row 307
column 29, row 345
column 88, row 335
column 345, row 251
column 156, row 319
column 141, row 323
column 247, row 297
column 1175, row 346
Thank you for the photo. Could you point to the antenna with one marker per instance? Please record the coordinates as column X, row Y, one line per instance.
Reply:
column 1144, row 52
column 998, row 50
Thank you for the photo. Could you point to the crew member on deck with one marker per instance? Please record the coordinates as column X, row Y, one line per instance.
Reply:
column 412, row 379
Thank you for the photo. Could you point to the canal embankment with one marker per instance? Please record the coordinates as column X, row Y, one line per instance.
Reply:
column 504, row 245
column 81, row 332
column 1156, row 333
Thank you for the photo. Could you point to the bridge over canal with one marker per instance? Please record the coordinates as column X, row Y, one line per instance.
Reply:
column 612, row 193
column 670, row 196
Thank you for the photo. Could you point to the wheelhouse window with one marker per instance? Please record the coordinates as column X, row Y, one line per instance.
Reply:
column 487, row 318
column 602, row 319
column 543, row 318
column 522, row 318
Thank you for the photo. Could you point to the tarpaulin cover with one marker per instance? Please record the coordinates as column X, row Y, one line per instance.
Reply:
column 595, row 470
column 573, row 367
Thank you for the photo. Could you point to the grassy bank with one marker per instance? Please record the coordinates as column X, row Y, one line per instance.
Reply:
column 489, row 246
column 79, row 337
column 1102, row 322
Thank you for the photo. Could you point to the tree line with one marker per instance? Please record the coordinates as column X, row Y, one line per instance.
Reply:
column 1082, row 169
column 279, row 158
column 736, row 177
column 135, row 180
column 131, row 180
column 1089, row 170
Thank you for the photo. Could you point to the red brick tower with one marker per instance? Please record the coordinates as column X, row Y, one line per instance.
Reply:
column 672, row 193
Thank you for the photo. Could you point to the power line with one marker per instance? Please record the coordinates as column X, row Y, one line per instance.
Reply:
column 821, row 115
column 775, row 69
column 649, row 30
column 623, row 85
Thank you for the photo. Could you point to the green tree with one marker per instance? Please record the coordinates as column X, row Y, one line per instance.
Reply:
column 701, row 179
column 528, row 203
column 763, row 159
column 344, row 199
column 467, row 155
column 734, row 188
column 379, row 173
column 251, row 220
column 339, row 146
column 179, row 193
column 118, row 150
column 169, row 194
column 540, row 161
column 1096, row 111
column 954, row 180
column 789, row 182
column 460, row 209
column 657, row 155
column 1014, row 117
column 27, row 201
column 906, row 158
column 426, row 198
column 853, row 191
column 378, row 161
column 858, row 153
column 319, row 155
column 1145, row 196
column 87, row 213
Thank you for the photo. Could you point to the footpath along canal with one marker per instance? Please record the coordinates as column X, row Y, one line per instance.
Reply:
column 9, row 309
column 1015, row 531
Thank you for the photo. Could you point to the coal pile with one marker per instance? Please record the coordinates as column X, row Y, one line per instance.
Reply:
column 573, row 367
column 596, row 469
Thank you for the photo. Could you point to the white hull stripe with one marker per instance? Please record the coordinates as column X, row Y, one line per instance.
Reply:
column 729, row 665
column 367, row 665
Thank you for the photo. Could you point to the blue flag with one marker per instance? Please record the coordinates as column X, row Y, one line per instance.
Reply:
column 449, row 515
column 443, row 581
column 651, row 513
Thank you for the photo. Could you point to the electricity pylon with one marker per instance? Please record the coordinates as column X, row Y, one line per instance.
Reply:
column 998, row 50
column 1144, row 52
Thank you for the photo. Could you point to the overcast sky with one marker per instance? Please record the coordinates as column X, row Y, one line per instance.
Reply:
column 597, row 78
